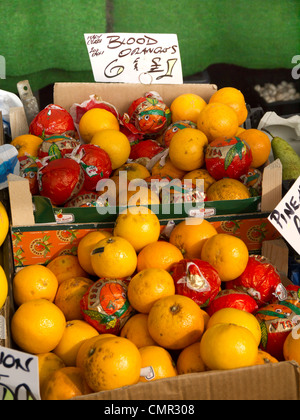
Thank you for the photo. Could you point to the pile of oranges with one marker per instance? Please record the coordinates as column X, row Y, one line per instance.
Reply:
column 191, row 126
column 167, row 334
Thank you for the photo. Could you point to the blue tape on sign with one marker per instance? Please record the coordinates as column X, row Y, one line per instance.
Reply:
column 9, row 163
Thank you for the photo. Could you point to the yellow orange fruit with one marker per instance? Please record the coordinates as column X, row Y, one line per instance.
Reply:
column 65, row 267
column 187, row 107
column 291, row 346
column 260, row 145
column 75, row 333
column 189, row 360
column 121, row 368
column 114, row 257
column 159, row 254
column 136, row 330
column 234, row 98
column 69, row 294
column 66, row 383
column 187, row 149
column 48, row 364
column 115, row 143
column 139, row 225
column 238, row 317
column 138, row 196
column 227, row 189
column 265, row 358
column 37, row 326
column 190, row 235
column 147, row 286
column 175, row 322
column 157, row 363
column 34, row 282
column 163, row 169
column 95, row 120
column 27, row 144
column 239, row 131
column 4, row 223
column 84, row 348
column 200, row 174
column 217, row 120
column 3, row 287
column 228, row 346
column 228, row 254
column 133, row 170
column 85, row 247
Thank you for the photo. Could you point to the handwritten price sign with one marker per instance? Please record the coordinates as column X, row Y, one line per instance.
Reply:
column 135, row 58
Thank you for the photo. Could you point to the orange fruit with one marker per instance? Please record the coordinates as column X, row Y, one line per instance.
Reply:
column 228, row 254
column 65, row 267
column 116, row 145
column 217, row 120
column 175, row 322
column 37, row 326
column 147, row 286
column 69, row 294
column 3, row 287
column 265, row 358
column 85, row 247
column 66, row 383
column 75, row 333
column 189, row 236
column 187, row 107
column 84, row 347
column 34, row 282
column 139, row 225
column 291, row 346
column 189, row 360
column 234, row 98
column 159, row 254
column 163, row 169
column 238, row 317
column 4, row 223
column 200, row 174
column 228, row 346
column 239, row 131
column 227, row 189
column 112, row 363
column 157, row 363
column 260, row 145
column 27, row 144
column 138, row 196
column 136, row 330
column 206, row 318
column 48, row 364
column 187, row 149
column 133, row 170
column 94, row 120
column 114, row 257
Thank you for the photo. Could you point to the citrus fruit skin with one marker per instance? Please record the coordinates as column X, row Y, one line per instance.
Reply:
column 65, row 267
column 86, row 246
column 227, row 189
column 37, row 326
column 3, row 287
column 48, row 364
column 85, row 345
column 265, row 358
column 112, row 363
column 114, row 257
column 200, row 174
column 95, row 120
column 235, row 99
column 159, row 254
column 291, row 347
column 175, row 322
column 4, row 223
column 159, row 360
column 187, row 107
column 228, row 254
column 116, row 145
column 149, row 285
column 27, row 144
column 259, row 144
column 237, row 317
column 136, row 330
column 228, row 346
column 189, row 360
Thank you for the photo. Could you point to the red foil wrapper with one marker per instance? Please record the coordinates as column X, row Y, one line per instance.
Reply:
column 196, row 279
column 253, row 181
column 57, row 146
column 260, row 279
column 105, row 305
column 29, row 170
column 228, row 158
column 60, row 180
column 145, row 148
column 53, row 119
column 232, row 298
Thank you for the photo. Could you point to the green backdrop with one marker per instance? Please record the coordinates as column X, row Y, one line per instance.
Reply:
column 42, row 40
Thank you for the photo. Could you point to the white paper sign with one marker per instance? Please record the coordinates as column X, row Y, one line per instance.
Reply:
column 286, row 216
column 135, row 58
column 19, row 375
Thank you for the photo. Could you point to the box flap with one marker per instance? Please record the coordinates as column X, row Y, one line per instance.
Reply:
column 271, row 186
column 121, row 95
column 20, row 201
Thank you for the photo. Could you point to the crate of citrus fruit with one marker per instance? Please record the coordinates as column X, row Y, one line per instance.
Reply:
column 182, row 149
